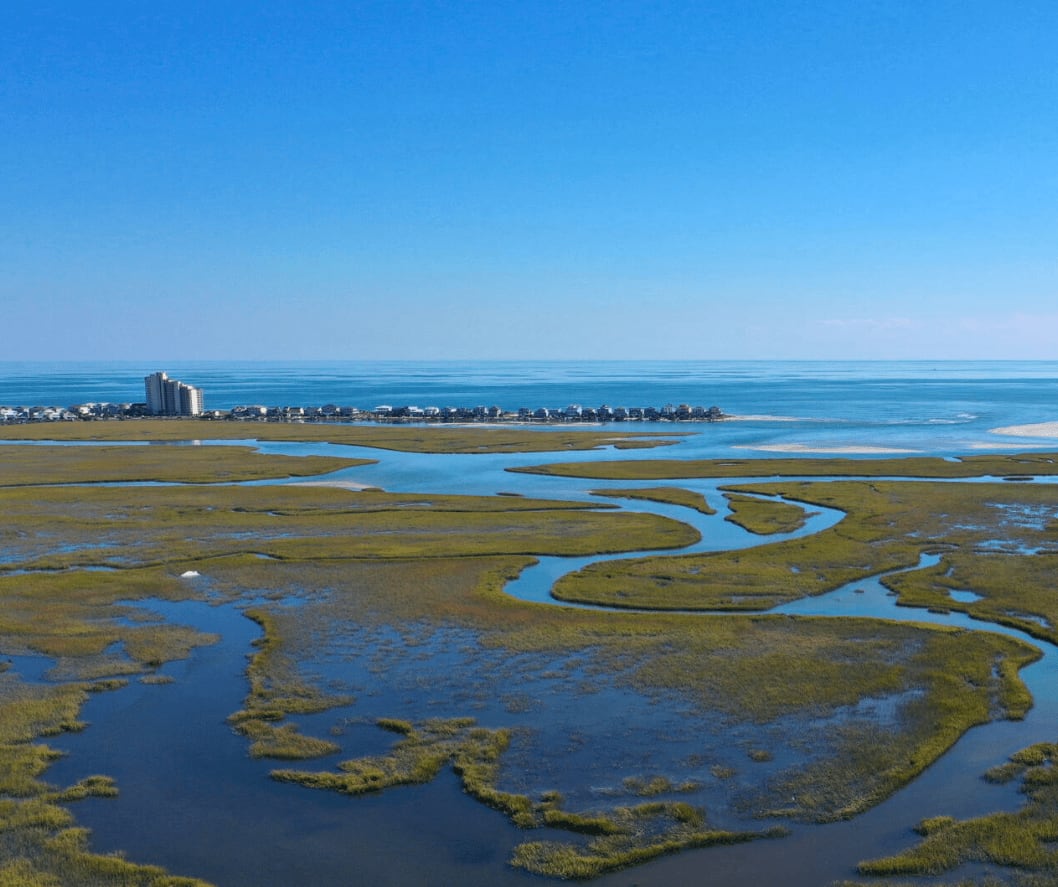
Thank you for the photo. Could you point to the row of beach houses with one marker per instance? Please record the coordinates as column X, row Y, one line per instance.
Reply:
column 383, row 413
column 387, row 413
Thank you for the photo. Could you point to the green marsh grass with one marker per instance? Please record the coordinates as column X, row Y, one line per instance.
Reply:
column 407, row 439
column 36, row 465
column 624, row 848
column 276, row 691
column 1023, row 841
column 764, row 516
column 63, row 527
column 668, row 495
column 994, row 465
column 621, row 837
column 888, row 525
column 755, row 669
column 37, row 841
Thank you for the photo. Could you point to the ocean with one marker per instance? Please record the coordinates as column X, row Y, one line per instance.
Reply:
column 853, row 407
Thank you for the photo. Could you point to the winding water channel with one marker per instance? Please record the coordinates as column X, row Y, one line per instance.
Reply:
column 812, row 854
column 232, row 797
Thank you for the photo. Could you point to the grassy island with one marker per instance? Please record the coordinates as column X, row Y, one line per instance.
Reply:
column 405, row 439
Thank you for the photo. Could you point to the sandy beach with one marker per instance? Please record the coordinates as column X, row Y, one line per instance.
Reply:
column 1036, row 429
column 855, row 450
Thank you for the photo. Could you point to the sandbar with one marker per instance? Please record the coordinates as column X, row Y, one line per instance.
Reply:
column 851, row 450
column 340, row 484
column 1035, row 429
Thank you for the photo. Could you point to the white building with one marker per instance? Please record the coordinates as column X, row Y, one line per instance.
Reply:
column 169, row 397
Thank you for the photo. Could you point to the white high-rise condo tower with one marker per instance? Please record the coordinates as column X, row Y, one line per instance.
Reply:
column 169, row 397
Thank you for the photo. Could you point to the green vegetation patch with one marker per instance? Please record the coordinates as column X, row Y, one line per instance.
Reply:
column 1014, row 589
column 277, row 691
column 35, row 465
column 759, row 670
column 418, row 756
column 668, row 495
column 38, row 844
column 888, row 525
column 622, row 837
column 76, row 618
column 1025, row 840
column 611, row 852
column 406, row 439
column 764, row 516
column 61, row 527
column 993, row 465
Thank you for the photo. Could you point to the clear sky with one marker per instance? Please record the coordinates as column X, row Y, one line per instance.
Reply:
column 497, row 179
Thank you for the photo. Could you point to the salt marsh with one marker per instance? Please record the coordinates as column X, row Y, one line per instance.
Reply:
column 605, row 709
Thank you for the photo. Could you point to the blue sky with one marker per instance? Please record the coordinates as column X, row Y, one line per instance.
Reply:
column 209, row 180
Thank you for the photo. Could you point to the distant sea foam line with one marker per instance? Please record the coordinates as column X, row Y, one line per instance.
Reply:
column 766, row 418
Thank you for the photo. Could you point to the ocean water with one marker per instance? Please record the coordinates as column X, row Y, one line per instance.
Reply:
column 942, row 407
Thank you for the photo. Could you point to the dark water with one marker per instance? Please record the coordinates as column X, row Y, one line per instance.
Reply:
column 193, row 801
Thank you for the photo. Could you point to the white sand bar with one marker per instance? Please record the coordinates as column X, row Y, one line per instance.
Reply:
column 1036, row 429
column 340, row 484
column 852, row 450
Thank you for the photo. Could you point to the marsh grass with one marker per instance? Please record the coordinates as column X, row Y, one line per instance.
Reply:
column 994, row 465
column 764, row 517
column 1016, row 590
column 267, row 740
column 36, row 465
column 667, row 495
column 415, row 564
column 38, row 844
column 276, row 691
column 625, row 847
column 1023, row 841
column 753, row 669
column 417, row 757
column 63, row 527
column 620, row 837
column 407, row 439
column 647, row 787
column 888, row 525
